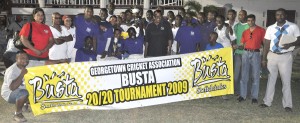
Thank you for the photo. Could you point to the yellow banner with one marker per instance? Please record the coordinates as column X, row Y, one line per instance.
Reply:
column 124, row 84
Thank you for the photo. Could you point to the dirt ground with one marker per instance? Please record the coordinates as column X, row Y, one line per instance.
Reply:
column 211, row 110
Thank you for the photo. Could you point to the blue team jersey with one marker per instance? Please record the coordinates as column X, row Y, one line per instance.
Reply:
column 103, row 36
column 134, row 46
column 83, row 55
column 194, row 21
column 118, row 48
column 206, row 28
column 188, row 37
column 216, row 46
column 84, row 29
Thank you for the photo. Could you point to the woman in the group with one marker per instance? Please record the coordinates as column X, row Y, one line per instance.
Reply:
column 42, row 38
column 59, row 49
column 69, row 29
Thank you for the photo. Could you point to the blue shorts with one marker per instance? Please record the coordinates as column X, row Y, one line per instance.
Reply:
column 16, row 95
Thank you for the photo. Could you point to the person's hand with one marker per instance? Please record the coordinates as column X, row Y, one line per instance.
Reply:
column 230, row 30
column 37, row 52
column 286, row 46
column 169, row 52
column 24, row 71
column 103, row 54
column 241, row 47
column 103, row 28
column 59, row 41
column 226, row 25
column 234, row 46
column 264, row 63
column 64, row 61
column 118, row 53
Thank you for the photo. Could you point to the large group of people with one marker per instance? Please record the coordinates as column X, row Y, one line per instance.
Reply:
column 108, row 36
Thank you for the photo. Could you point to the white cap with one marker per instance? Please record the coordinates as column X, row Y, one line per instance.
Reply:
column 135, row 10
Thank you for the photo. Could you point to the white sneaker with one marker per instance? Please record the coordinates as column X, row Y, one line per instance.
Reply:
column 19, row 118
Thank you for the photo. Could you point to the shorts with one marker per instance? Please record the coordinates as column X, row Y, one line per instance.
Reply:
column 16, row 95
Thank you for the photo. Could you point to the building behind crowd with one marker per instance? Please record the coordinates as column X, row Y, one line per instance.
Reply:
column 263, row 9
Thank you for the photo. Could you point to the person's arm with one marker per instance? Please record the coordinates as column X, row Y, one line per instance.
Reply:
column 243, row 41
column 234, row 42
column 67, row 38
column 95, row 33
column 95, row 44
column 169, row 47
column 27, row 44
column 18, row 81
column 266, row 48
column 49, row 45
column 146, row 49
column 295, row 33
column 147, row 39
column 104, row 53
column 24, row 34
column 58, row 41
column 178, row 46
column 288, row 45
column 170, row 39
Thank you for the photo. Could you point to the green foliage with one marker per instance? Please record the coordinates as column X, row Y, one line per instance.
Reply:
column 193, row 7
column 210, row 8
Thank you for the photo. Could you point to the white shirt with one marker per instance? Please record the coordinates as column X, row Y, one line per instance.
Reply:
column 174, row 45
column 70, row 44
column 10, row 46
column 125, row 27
column 12, row 73
column 232, row 26
column 224, row 37
column 57, row 52
column 292, row 30
column 108, row 17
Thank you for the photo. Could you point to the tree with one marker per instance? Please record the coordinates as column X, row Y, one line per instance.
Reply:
column 193, row 7
column 210, row 8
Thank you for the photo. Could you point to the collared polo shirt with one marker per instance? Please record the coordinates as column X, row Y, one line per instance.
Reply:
column 253, row 40
column 83, row 29
column 290, row 29
column 188, row 37
column 239, row 29
column 157, row 37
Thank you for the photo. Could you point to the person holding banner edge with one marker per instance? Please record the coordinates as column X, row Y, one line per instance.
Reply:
column 237, row 58
column 13, row 88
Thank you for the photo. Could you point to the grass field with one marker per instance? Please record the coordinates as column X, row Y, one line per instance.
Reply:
column 211, row 110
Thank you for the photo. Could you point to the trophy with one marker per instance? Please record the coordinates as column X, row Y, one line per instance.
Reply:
column 115, row 45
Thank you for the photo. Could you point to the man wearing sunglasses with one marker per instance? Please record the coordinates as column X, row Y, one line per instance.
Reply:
column 251, row 41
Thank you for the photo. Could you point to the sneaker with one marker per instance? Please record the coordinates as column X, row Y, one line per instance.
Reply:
column 288, row 109
column 254, row 101
column 26, row 108
column 19, row 118
column 240, row 99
